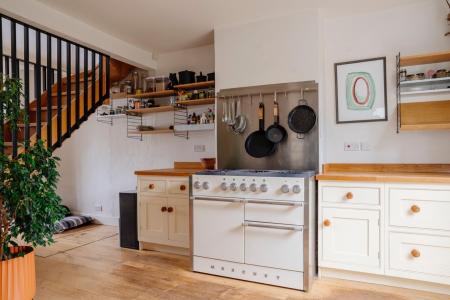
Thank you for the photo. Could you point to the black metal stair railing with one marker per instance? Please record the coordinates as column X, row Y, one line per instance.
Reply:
column 45, row 63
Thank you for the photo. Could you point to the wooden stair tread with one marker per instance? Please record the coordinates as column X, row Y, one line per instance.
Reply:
column 32, row 124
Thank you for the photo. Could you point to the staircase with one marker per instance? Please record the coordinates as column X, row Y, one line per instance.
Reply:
column 60, row 104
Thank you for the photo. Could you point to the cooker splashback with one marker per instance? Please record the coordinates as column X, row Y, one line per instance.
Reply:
column 293, row 152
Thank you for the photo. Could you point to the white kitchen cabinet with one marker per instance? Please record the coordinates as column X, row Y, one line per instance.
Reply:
column 163, row 211
column 350, row 238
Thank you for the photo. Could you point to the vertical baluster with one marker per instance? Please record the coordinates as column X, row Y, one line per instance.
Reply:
column 14, row 72
column 7, row 66
column 44, row 78
column 49, row 91
column 100, row 78
column 37, row 84
column 107, row 77
column 93, row 98
column 77, row 85
column 59, row 92
column 26, row 59
column 69, row 87
column 85, row 84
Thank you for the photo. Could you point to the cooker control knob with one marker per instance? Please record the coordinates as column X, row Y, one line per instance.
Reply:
column 197, row 185
column 296, row 189
column 243, row 187
column 253, row 187
column 285, row 188
column 263, row 188
column 223, row 186
column 205, row 185
column 233, row 186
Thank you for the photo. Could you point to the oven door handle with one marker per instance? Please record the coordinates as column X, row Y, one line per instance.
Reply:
column 285, row 203
column 273, row 226
column 230, row 200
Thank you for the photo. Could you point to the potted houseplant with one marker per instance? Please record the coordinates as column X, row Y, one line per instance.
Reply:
column 29, row 205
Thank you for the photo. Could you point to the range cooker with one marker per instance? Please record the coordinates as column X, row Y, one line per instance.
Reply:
column 255, row 225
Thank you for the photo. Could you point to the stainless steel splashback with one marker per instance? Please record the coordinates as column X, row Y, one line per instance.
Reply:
column 293, row 153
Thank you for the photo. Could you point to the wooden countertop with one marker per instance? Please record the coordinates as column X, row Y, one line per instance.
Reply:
column 401, row 173
column 167, row 172
column 179, row 169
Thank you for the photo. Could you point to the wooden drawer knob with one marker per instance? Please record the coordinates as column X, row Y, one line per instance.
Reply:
column 151, row 186
column 415, row 209
column 182, row 187
column 349, row 196
column 415, row 253
column 170, row 209
column 326, row 223
column 163, row 209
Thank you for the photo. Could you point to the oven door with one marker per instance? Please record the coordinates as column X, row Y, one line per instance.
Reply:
column 218, row 230
column 274, row 245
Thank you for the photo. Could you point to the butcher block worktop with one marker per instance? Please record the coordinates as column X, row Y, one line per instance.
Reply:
column 401, row 173
column 179, row 169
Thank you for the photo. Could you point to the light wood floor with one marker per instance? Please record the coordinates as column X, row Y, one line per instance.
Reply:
column 102, row 270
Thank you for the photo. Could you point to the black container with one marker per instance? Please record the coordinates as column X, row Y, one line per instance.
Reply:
column 128, row 220
column 211, row 76
column 186, row 76
column 201, row 77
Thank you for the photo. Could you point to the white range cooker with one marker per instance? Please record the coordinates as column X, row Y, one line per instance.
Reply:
column 255, row 225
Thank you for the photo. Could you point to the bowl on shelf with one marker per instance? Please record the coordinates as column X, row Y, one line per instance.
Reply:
column 208, row 163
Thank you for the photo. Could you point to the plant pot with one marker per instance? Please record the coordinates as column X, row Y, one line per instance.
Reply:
column 18, row 276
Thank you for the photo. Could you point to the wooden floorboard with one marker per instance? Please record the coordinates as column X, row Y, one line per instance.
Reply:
column 102, row 270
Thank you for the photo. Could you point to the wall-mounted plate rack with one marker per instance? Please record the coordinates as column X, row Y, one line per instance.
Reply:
column 423, row 114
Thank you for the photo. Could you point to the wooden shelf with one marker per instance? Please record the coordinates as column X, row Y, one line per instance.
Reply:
column 197, row 102
column 155, row 131
column 425, row 81
column 429, row 115
column 159, row 94
column 435, row 91
column 197, row 85
column 115, row 96
column 423, row 59
column 149, row 110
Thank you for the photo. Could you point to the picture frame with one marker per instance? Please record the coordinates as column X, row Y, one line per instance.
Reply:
column 360, row 90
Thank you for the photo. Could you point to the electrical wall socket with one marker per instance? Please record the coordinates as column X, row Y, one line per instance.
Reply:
column 98, row 207
column 352, row 146
column 365, row 146
column 199, row 148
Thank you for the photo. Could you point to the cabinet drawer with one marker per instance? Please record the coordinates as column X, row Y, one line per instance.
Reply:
column 419, row 256
column 150, row 185
column 282, row 213
column 419, row 208
column 179, row 187
column 351, row 194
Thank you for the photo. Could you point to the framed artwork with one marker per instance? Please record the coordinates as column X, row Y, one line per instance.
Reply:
column 361, row 90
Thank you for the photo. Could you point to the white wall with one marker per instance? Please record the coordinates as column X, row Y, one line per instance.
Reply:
column 282, row 49
column 305, row 46
column 99, row 161
column 412, row 29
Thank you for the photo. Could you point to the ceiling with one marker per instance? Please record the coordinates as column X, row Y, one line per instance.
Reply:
column 169, row 25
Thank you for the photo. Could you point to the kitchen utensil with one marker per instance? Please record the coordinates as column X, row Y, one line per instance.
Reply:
column 302, row 118
column 441, row 73
column 232, row 119
column 240, row 120
column 211, row 76
column 186, row 76
column 201, row 77
column 276, row 133
column 256, row 144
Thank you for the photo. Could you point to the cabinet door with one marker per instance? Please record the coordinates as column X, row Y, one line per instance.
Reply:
column 178, row 213
column 350, row 239
column 153, row 219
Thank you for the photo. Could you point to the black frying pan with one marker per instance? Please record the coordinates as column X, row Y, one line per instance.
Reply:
column 302, row 119
column 276, row 133
column 256, row 144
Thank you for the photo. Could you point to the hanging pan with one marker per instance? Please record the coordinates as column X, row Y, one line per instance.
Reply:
column 276, row 133
column 302, row 118
column 256, row 144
